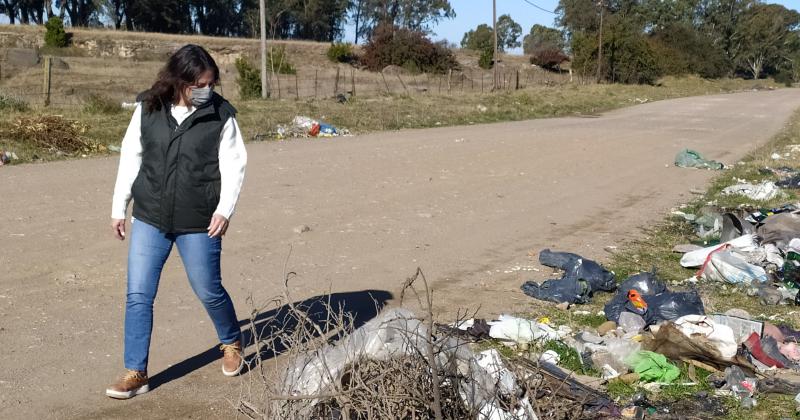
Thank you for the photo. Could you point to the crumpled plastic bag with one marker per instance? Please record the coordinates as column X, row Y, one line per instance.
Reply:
column 721, row 336
column 577, row 267
column 734, row 226
column 688, row 158
column 571, row 291
column 668, row 306
column 728, row 266
column 521, row 330
column 582, row 277
column 764, row 191
column 780, row 229
column 645, row 283
column 653, row 367
column 507, row 386
column 744, row 243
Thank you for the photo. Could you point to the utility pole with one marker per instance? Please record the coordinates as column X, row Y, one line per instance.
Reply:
column 600, row 43
column 263, row 12
column 494, row 56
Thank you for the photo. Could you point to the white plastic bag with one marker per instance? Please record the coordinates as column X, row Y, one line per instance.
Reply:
column 721, row 336
column 744, row 243
column 764, row 191
column 521, row 330
column 492, row 363
column 727, row 266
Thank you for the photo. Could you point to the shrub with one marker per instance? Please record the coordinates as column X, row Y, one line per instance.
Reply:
column 390, row 45
column 631, row 61
column 785, row 77
column 341, row 52
column 627, row 56
column 249, row 79
column 55, row 36
column 486, row 60
column 278, row 62
column 548, row 58
column 99, row 104
column 681, row 50
column 12, row 103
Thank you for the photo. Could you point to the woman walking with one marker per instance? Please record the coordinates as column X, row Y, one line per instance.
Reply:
column 182, row 161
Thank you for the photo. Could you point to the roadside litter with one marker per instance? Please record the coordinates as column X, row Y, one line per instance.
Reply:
column 484, row 383
column 708, row 224
column 582, row 277
column 6, row 157
column 764, row 191
column 691, row 159
column 302, row 126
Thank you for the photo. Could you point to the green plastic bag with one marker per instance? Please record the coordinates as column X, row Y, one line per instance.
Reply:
column 691, row 159
column 653, row 367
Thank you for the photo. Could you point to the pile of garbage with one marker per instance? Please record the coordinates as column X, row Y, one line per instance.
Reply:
column 650, row 328
column 393, row 364
column 304, row 127
column 7, row 156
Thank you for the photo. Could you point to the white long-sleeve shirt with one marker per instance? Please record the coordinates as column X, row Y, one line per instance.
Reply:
column 232, row 163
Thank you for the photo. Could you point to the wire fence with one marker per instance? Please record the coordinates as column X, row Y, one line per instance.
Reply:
column 71, row 87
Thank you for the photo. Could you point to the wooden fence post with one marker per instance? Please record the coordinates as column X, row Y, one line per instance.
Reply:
column 353, row 81
column 46, row 86
column 336, row 83
column 385, row 83
column 402, row 82
column 449, row 76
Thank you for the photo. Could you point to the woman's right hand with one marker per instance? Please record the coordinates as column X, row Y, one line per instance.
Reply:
column 118, row 226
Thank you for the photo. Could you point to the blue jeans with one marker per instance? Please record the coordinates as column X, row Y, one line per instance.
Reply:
column 148, row 252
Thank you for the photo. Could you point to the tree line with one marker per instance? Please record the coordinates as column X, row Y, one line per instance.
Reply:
column 637, row 41
column 641, row 40
column 627, row 41
column 318, row 20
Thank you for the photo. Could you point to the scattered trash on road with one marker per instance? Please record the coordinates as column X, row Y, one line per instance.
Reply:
column 691, row 159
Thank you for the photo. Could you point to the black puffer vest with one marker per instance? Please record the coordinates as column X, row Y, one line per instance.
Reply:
column 177, row 189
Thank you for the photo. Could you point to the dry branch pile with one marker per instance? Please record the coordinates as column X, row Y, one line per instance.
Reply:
column 54, row 133
column 393, row 367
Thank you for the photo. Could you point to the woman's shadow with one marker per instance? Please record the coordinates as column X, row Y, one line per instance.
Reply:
column 360, row 307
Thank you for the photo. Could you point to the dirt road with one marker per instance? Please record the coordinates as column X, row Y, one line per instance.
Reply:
column 464, row 203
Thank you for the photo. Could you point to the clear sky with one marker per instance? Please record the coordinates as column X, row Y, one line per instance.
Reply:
column 471, row 13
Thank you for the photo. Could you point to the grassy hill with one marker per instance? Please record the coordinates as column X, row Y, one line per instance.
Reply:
column 119, row 64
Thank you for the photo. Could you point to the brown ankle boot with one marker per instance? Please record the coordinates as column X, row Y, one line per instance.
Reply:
column 232, row 358
column 133, row 383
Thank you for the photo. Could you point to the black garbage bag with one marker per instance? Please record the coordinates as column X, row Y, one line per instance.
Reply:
column 669, row 306
column 572, row 291
column 578, row 268
column 645, row 283
column 581, row 279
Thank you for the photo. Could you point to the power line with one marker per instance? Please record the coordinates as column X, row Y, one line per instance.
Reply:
column 539, row 7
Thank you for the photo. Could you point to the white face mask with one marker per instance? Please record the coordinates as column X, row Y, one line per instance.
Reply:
column 201, row 95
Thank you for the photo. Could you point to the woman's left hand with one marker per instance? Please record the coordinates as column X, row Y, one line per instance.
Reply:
column 218, row 226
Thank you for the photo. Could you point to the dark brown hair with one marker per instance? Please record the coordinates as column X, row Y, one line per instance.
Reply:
column 183, row 68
